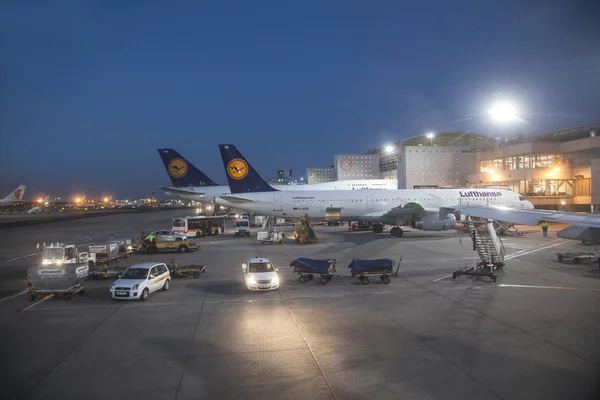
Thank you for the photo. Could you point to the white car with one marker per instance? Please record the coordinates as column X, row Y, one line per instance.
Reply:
column 259, row 274
column 169, row 235
column 139, row 280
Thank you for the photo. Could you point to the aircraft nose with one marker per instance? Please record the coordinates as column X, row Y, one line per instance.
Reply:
column 530, row 205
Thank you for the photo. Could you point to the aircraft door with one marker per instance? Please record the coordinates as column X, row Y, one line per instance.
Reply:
column 277, row 202
column 369, row 202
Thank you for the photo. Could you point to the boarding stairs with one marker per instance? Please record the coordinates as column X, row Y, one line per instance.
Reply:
column 489, row 248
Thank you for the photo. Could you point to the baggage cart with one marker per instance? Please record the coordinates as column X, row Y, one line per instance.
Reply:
column 593, row 258
column 105, row 253
column 182, row 271
column 269, row 237
column 125, row 247
column 383, row 268
column 107, row 272
column 60, row 280
column 308, row 267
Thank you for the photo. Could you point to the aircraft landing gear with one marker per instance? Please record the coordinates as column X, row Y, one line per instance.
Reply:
column 396, row 232
column 377, row 228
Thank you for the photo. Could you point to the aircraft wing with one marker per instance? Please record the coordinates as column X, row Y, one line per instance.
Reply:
column 179, row 191
column 530, row 217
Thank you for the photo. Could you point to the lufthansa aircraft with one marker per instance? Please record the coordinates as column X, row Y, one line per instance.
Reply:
column 192, row 184
column 15, row 196
column 430, row 210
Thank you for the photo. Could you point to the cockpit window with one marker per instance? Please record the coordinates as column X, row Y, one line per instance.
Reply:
column 521, row 198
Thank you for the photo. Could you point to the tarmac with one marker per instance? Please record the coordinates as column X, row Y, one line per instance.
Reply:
column 532, row 334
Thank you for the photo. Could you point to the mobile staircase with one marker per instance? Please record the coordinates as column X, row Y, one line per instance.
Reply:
column 489, row 248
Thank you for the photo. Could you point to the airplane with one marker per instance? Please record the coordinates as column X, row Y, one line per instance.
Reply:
column 192, row 184
column 429, row 210
column 15, row 196
column 585, row 227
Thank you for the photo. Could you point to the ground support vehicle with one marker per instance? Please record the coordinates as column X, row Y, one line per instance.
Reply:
column 304, row 231
column 308, row 267
column 125, row 248
column 360, row 226
column 490, row 249
column 106, row 273
column 242, row 227
column 105, row 253
column 479, row 270
column 182, row 246
column 60, row 280
column 383, row 268
column 60, row 253
column 198, row 226
column 269, row 233
column 182, row 271
column 269, row 237
column 593, row 258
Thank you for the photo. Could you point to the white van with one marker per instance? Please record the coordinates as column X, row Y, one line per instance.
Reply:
column 242, row 227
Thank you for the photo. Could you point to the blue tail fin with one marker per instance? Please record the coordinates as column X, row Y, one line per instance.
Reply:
column 182, row 172
column 242, row 177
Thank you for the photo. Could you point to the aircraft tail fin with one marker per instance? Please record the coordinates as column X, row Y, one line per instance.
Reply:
column 182, row 172
column 242, row 177
column 16, row 195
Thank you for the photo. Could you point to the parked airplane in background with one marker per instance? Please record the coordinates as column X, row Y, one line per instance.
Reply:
column 192, row 184
column 16, row 196
column 430, row 210
column 585, row 227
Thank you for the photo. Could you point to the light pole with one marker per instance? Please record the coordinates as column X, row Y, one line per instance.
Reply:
column 430, row 136
column 503, row 113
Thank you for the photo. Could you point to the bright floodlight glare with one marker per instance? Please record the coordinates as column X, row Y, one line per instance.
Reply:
column 389, row 148
column 503, row 112
column 430, row 136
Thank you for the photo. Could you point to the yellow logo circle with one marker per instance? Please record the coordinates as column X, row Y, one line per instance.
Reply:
column 237, row 168
column 178, row 168
column 346, row 164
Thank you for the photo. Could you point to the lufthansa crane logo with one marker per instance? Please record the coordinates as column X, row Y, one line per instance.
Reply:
column 346, row 164
column 178, row 168
column 237, row 168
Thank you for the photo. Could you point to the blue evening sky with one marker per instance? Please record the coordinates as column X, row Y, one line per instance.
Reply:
column 90, row 89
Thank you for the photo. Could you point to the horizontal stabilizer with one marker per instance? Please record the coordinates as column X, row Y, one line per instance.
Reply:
column 180, row 191
column 580, row 233
column 233, row 199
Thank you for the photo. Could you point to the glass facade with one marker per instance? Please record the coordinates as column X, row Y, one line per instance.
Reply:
column 521, row 162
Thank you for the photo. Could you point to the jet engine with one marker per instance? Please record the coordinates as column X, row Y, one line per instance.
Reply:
column 433, row 222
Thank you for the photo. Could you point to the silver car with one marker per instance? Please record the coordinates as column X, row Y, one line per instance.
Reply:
column 170, row 235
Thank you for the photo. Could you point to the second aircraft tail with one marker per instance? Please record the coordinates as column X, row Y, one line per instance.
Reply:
column 242, row 177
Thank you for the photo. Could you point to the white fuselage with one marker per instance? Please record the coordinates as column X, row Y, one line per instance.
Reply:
column 353, row 204
column 208, row 193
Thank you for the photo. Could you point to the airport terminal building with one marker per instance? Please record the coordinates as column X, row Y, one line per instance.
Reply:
column 558, row 170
